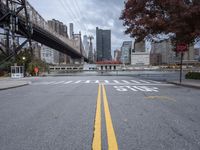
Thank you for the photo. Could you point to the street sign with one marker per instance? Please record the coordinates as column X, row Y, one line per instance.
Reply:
column 36, row 70
column 181, row 47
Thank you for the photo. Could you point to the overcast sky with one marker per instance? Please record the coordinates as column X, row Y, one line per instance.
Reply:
column 86, row 16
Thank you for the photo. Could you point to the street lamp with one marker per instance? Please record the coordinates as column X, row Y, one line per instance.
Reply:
column 24, row 58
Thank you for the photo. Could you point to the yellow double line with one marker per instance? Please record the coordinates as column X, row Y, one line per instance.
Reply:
column 111, row 138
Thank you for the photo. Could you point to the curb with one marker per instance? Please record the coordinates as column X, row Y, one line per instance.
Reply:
column 185, row 85
column 12, row 87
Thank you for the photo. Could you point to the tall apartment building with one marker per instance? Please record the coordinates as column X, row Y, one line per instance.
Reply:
column 62, row 30
column 163, row 51
column 117, row 55
column 103, row 44
column 47, row 55
column 58, row 27
column 126, row 52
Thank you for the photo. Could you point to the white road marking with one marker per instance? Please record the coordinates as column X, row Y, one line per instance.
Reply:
column 148, row 89
column 68, row 82
column 136, row 88
column 120, row 88
column 116, row 81
column 144, row 81
column 125, row 81
column 97, row 81
column 139, row 88
column 51, row 82
column 130, row 83
column 129, row 87
column 154, row 84
column 78, row 81
column 154, row 81
column 135, row 81
column 88, row 81
column 58, row 82
column 46, row 83
column 106, row 81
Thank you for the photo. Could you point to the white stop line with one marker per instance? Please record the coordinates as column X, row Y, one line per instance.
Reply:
column 136, row 88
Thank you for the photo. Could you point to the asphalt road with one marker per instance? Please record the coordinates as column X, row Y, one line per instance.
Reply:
column 75, row 113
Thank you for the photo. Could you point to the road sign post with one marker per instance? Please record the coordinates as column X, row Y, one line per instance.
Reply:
column 181, row 48
column 36, row 70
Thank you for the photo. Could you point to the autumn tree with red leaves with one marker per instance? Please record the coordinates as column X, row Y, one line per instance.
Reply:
column 148, row 18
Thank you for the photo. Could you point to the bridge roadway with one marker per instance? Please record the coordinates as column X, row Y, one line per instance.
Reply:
column 46, row 36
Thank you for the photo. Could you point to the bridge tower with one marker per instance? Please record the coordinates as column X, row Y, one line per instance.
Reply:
column 90, row 54
column 12, row 11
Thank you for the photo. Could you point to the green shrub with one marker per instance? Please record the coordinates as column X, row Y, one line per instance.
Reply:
column 193, row 75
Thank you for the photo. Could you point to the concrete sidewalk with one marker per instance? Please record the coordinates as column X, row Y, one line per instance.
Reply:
column 187, row 83
column 8, row 83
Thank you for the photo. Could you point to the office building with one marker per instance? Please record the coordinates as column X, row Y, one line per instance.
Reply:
column 86, row 44
column 139, row 55
column 47, row 54
column 126, row 52
column 163, row 51
column 103, row 44
column 36, row 47
column 58, row 27
column 117, row 55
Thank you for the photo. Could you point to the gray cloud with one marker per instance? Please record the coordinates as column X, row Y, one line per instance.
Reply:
column 86, row 15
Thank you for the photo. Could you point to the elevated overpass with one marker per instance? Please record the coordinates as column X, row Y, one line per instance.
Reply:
column 41, row 32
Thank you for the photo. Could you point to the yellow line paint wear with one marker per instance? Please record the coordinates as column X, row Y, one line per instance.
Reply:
column 96, row 144
column 112, row 141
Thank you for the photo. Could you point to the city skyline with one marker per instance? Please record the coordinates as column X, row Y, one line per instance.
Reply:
column 78, row 13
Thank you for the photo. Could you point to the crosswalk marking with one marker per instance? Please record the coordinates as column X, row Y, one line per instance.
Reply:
column 154, row 81
column 135, row 81
column 97, row 81
column 125, row 81
column 129, row 87
column 78, row 81
column 68, row 82
column 88, row 81
column 58, row 82
column 144, row 81
column 107, row 82
column 138, row 88
column 116, row 81
column 47, row 83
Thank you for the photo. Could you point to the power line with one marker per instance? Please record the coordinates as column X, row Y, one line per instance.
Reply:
column 70, row 13
column 83, row 14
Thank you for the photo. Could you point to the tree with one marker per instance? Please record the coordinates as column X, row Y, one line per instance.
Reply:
column 148, row 18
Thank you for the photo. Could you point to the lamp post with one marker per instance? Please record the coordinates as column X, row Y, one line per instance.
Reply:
column 24, row 58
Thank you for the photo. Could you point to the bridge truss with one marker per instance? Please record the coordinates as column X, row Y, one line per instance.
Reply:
column 15, row 36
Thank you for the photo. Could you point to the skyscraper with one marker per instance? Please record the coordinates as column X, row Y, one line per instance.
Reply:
column 103, row 44
column 126, row 52
column 86, row 44
column 71, row 30
column 90, row 54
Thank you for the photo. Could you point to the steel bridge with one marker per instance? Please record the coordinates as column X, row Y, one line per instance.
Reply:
column 30, row 24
